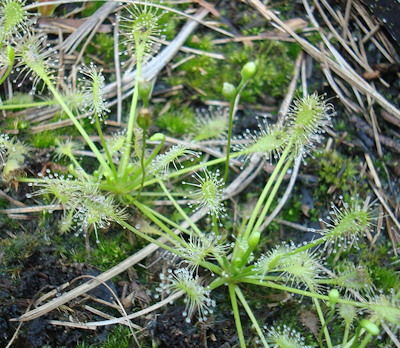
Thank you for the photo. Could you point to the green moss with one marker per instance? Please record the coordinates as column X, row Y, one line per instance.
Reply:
column 336, row 170
column 43, row 139
column 177, row 121
column 102, row 46
column 19, row 248
column 111, row 250
column 119, row 337
column 206, row 75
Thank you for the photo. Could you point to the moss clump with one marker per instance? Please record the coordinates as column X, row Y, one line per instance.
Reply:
column 336, row 171
column 110, row 251
column 177, row 121
column 206, row 75
column 102, row 46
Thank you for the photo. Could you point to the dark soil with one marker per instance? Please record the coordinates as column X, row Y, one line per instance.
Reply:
column 39, row 274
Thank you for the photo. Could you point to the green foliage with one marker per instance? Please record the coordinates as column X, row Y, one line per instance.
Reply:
column 177, row 121
column 336, row 170
column 111, row 250
column 119, row 337
column 43, row 139
column 207, row 75
column 102, row 46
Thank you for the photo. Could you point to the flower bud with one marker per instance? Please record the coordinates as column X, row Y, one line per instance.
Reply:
column 248, row 70
column 333, row 296
column 370, row 327
column 228, row 90
column 144, row 118
column 253, row 240
column 157, row 137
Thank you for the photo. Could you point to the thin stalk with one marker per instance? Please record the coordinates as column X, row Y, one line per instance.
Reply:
column 346, row 333
column 142, row 165
column 180, row 210
column 191, row 169
column 104, row 144
column 76, row 123
column 322, row 320
column 159, row 223
column 251, row 316
column 266, row 189
column 148, row 238
column 232, row 111
column 131, row 121
column 77, row 165
column 216, row 283
column 365, row 341
column 299, row 292
column 236, row 315
column 147, row 210
column 187, row 218
column 271, row 196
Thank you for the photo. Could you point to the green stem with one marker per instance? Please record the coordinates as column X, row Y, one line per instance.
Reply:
column 271, row 196
column 191, row 169
column 187, row 218
column 104, row 144
column 299, row 292
column 77, row 165
column 322, row 320
column 76, row 123
column 346, row 333
column 180, row 210
column 157, row 221
column 146, row 237
column 142, row 164
column 236, row 315
column 131, row 120
column 232, row 111
column 150, row 213
column 365, row 341
column 251, row 316
column 266, row 189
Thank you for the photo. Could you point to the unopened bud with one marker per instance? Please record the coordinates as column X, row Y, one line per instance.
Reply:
column 254, row 239
column 370, row 327
column 248, row 70
column 157, row 137
column 144, row 118
column 333, row 296
column 228, row 90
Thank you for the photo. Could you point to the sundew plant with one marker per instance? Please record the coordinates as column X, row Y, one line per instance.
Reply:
column 135, row 165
